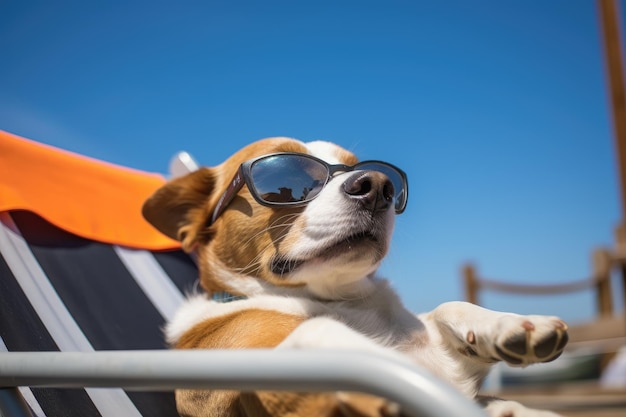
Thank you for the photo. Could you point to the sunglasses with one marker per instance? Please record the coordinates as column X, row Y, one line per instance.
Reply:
column 294, row 179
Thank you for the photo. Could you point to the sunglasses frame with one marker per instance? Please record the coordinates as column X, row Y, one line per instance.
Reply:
column 244, row 176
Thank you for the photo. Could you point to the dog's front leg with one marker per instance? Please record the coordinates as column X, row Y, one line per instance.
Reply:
column 340, row 404
column 322, row 333
column 477, row 338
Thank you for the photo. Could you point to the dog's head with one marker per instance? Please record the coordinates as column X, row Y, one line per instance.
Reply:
column 255, row 240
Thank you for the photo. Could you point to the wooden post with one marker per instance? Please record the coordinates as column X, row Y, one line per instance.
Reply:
column 471, row 283
column 602, row 276
column 610, row 25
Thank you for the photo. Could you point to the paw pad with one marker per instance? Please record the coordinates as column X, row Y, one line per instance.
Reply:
column 534, row 339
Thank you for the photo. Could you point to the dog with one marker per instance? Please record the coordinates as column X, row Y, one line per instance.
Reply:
column 295, row 232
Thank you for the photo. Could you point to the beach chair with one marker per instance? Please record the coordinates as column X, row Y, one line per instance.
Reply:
column 86, row 285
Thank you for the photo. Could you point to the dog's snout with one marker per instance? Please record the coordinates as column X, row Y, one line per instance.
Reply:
column 374, row 190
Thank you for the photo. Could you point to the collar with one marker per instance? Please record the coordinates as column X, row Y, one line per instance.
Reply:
column 226, row 297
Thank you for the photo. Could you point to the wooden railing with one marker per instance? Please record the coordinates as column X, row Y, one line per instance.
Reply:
column 599, row 281
column 607, row 330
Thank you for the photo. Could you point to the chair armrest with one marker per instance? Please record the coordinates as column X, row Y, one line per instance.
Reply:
column 417, row 392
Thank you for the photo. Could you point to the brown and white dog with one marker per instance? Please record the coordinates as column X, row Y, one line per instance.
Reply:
column 307, row 273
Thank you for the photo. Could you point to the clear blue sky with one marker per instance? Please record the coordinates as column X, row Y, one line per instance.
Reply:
column 497, row 111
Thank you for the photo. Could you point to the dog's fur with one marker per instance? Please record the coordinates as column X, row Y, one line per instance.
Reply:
column 309, row 277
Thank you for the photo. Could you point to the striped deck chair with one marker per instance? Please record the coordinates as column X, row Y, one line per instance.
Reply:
column 81, row 270
column 86, row 285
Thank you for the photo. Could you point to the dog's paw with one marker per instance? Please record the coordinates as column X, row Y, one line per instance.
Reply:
column 503, row 408
column 524, row 340
column 490, row 336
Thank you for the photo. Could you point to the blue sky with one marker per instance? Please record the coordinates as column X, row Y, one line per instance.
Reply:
column 496, row 110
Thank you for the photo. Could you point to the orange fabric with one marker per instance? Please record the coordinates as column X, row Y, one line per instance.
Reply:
column 84, row 196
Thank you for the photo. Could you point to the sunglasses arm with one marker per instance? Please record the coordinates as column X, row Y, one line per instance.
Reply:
column 233, row 188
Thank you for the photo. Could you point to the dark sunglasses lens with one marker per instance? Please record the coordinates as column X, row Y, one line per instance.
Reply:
column 397, row 179
column 285, row 179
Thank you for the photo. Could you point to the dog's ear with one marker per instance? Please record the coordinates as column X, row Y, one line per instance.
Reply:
column 179, row 208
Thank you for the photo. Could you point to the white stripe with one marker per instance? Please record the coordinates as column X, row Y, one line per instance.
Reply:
column 27, row 394
column 30, row 399
column 38, row 289
column 152, row 279
column 52, row 312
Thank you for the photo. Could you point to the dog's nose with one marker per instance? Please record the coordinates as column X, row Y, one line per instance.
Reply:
column 374, row 190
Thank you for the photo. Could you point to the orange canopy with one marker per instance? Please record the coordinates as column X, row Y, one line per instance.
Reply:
column 84, row 196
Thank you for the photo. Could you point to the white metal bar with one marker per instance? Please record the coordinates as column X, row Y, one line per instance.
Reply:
column 26, row 393
column 417, row 392
column 181, row 164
